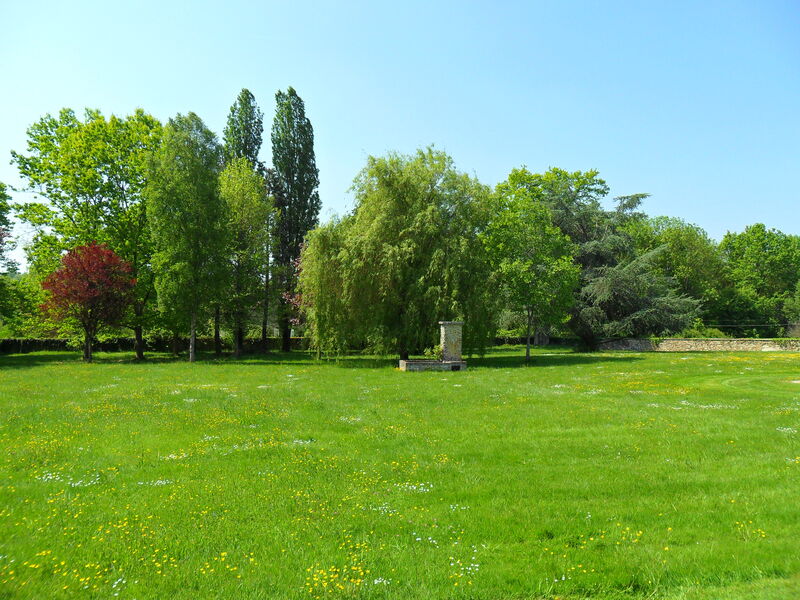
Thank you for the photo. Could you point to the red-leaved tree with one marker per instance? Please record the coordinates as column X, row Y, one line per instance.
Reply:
column 92, row 286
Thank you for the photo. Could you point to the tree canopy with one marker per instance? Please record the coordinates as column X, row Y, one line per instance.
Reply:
column 91, row 175
column 294, row 183
column 92, row 287
column 408, row 256
column 249, row 210
column 187, row 219
column 619, row 293
column 532, row 258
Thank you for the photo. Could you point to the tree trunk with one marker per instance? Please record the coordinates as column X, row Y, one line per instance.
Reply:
column 175, row 344
column 528, row 336
column 265, row 320
column 286, row 334
column 139, row 343
column 238, row 338
column 217, row 339
column 193, row 338
column 87, row 347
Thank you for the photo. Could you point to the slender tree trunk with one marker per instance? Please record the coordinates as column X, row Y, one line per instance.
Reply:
column 286, row 334
column 87, row 347
column 139, row 343
column 193, row 337
column 238, row 338
column 175, row 344
column 217, row 339
column 528, row 336
column 265, row 320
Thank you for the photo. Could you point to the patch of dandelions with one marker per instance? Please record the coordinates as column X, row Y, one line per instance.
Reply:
column 466, row 569
column 786, row 430
column 457, row 507
column 299, row 442
column 156, row 483
column 418, row 488
column 381, row 581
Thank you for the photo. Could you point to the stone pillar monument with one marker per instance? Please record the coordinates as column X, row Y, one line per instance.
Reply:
column 451, row 352
column 451, row 340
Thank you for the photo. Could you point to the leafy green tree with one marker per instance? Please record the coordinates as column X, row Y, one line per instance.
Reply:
column 187, row 220
column 325, row 285
column 620, row 293
column 689, row 257
column 763, row 266
column 243, row 138
column 244, row 130
column 22, row 316
column 408, row 256
column 533, row 258
column 91, row 176
column 248, row 210
column 5, row 226
column 791, row 309
column 6, row 263
column 295, row 182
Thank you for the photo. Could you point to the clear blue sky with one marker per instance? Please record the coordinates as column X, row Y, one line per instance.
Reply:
column 696, row 103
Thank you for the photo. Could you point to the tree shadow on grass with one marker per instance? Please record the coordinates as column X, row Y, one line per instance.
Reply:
column 561, row 359
column 498, row 358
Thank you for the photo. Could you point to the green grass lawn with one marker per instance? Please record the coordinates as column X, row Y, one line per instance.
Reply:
column 613, row 475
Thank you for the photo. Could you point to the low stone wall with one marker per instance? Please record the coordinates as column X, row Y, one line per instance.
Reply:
column 433, row 365
column 703, row 345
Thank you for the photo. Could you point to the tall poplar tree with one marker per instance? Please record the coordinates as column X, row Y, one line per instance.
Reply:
column 243, row 138
column 244, row 129
column 187, row 219
column 294, row 189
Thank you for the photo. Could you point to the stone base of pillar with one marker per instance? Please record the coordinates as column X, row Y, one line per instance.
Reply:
column 433, row 365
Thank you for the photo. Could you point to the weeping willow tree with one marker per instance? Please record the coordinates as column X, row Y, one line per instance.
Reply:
column 407, row 257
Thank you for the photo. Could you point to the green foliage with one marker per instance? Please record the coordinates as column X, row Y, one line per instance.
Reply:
column 699, row 330
column 792, row 306
column 243, row 131
column 409, row 256
column 532, row 258
column 6, row 243
column 91, row 176
column 620, row 293
column 187, row 219
column 21, row 314
column 687, row 255
column 763, row 269
column 293, row 183
column 249, row 214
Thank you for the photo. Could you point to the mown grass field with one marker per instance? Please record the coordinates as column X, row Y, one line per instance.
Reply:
column 587, row 475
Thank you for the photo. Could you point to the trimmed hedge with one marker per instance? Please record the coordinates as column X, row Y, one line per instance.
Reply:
column 125, row 344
